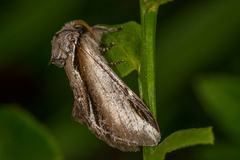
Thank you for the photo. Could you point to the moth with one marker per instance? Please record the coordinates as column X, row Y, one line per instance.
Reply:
column 111, row 110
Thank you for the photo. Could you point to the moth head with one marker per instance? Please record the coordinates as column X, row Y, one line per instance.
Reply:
column 64, row 41
column 59, row 56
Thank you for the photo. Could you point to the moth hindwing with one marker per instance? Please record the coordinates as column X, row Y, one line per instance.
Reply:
column 111, row 110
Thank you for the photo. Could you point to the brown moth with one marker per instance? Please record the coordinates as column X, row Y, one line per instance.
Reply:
column 111, row 110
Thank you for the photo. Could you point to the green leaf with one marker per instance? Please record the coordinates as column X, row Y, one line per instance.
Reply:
column 220, row 98
column 22, row 137
column 126, row 47
column 182, row 139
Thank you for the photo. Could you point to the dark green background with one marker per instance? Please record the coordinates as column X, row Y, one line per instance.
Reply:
column 197, row 57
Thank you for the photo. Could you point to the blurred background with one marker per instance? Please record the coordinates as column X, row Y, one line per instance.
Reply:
column 197, row 77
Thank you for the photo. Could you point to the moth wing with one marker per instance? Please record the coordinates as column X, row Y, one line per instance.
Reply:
column 112, row 111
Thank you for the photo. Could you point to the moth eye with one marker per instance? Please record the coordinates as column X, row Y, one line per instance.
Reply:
column 58, row 62
column 59, row 57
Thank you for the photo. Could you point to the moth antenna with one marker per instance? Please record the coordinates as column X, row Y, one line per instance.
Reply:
column 81, row 22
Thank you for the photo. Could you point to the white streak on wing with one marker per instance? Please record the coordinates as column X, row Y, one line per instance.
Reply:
column 130, row 93
column 126, row 116
column 75, row 71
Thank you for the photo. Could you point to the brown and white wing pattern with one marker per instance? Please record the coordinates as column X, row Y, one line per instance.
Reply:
column 111, row 110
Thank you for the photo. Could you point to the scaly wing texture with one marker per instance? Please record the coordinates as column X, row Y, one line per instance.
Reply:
column 111, row 110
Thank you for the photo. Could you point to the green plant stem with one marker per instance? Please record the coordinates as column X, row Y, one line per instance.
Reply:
column 147, row 68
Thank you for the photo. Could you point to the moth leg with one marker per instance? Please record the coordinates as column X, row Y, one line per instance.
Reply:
column 114, row 64
column 105, row 48
column 99, row 30
column 114, row 29
column 117, row 29
column 102, row 29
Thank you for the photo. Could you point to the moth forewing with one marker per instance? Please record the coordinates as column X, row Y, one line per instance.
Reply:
column 111, row 110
